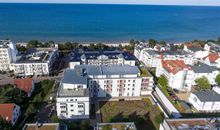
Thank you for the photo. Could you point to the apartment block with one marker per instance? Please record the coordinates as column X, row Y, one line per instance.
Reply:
column 8, row 54
column 104, row 57
column 35, row 62
column 182, row 77
column 102, row 81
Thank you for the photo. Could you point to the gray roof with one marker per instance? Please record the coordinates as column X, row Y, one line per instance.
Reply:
column 195, row 49
column 73, row 77
column 152, row 52
column 109, row 69
column 203, row 68
column 206, row 96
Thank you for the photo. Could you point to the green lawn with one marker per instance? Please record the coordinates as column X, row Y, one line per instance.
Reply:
column 145, row 115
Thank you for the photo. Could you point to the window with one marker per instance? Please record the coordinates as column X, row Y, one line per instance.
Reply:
column 71, row 99
column 62, row 106
column 81, row 106
column 71, row 105
column 71, row 110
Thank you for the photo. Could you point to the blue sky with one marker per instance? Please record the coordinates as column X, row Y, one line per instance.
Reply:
column 160, row 2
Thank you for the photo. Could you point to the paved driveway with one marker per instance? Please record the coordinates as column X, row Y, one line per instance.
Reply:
column 45, row 113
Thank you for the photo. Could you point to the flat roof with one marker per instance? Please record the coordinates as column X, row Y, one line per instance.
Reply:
column 44, row 126
column 117, row 126
column 192, row 123
column 72, row 92
column 34, row 55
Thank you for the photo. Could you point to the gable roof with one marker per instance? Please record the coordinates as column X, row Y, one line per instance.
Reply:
column 208, row 95
column 203, row 68
column 6, row 111
column 212, row 57
column 24, row 84
column 174, row 66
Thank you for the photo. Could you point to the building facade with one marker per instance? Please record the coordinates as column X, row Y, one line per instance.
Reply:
column 73, row 96
column 104, row 81
column 36, row 62
column 115, row 57
column 207, row 101
column 10, row 112
column 182, row 77
column 8, row 52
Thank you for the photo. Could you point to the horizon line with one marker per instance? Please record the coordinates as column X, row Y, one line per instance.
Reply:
column 93, row 3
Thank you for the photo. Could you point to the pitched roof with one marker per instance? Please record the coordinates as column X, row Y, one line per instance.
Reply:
column 174, row 66
column 203, row 68
column 212, row 57
column 6, row 111
column 24, row 84
column 208, row 95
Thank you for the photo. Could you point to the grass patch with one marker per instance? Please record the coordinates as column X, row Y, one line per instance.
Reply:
column 141, row 112
column 144, row 72
column 176, row 104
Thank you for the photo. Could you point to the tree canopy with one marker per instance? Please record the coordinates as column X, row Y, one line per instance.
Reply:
column 203, row 83
column 217, row 79
column 4, row 125
column 163, row 81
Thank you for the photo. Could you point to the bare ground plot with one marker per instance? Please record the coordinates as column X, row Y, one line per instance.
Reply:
column 145, row 115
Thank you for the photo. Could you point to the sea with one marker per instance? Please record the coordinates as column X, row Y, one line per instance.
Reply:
column 107, row 23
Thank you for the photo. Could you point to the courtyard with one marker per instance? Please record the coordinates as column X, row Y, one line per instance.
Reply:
column 143, row 113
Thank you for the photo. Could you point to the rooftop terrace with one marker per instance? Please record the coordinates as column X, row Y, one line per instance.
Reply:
column 192, row 124
column 72, row 92
column 117, row 126
column 35, row 55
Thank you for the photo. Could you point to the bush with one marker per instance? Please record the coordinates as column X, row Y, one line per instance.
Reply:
column 163, row 81
column 203, row 83
column 107, row 127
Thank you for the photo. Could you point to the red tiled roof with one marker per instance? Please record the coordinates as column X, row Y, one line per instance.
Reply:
column 174, row 66
column 191, row 45
column 213, row 57
column 24, row 84
column 6, row 111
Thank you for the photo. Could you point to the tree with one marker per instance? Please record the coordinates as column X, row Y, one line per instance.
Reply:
column 152, row 42
column 203, row 83
column 4, row 125
column 218, row 40
column 163, row 81
column 54, row 118
column 107, row 127
column 15, row 95
column 217, row 79
column 84, row 125
column 163, row 43
column 34, row 44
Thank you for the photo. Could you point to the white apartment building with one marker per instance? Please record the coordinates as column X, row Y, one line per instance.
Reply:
column 117, row 81
column 117, row 57
column 73, row 96
column 103, row 81
column 8, row 52
column 213, row 59
column 208, row 101
column 196, row 50
column 151, row 57
column 10, row 112
column 176, row 73
column 182, row 77
column 35, row 62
